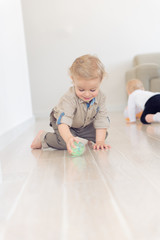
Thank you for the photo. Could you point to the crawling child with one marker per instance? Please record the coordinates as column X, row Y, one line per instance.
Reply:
column 142, row 104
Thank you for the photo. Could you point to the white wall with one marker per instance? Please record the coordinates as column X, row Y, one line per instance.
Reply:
column 15, row 98
column 58, row 31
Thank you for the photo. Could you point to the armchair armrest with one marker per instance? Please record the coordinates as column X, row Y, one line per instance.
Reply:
column 145, row 72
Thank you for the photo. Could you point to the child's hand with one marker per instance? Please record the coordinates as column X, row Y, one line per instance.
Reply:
column 101, row 145
column 128, row 122
column 138, row 116
column 70, row 143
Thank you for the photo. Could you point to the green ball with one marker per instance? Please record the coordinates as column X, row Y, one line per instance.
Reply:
column 79, row 149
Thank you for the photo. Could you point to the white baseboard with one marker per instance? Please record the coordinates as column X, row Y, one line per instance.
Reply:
column 7, row 137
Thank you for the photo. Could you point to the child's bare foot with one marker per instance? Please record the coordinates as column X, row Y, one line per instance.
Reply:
column 37, row 141
column 149, row 118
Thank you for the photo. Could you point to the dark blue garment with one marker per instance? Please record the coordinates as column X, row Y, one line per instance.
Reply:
column 152, row 106
column 90, row 103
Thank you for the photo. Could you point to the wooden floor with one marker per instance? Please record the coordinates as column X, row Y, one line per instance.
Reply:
column 102, row 195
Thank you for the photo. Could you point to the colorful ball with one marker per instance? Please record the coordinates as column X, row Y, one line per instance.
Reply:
column 79, row 149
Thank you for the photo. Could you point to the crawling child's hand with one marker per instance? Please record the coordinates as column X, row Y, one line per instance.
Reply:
column 138, row 116
column 101, row 145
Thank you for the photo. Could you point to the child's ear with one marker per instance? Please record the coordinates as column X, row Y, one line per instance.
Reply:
column 72, row 80
column 128, row 92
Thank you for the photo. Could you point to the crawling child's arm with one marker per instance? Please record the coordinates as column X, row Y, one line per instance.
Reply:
column 100, row 139
column 67, row 136
column 138, row 114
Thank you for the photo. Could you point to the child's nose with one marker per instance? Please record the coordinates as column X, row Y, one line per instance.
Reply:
column 86, row 93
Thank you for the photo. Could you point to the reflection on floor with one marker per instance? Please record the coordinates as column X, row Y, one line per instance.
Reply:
column 113, row 194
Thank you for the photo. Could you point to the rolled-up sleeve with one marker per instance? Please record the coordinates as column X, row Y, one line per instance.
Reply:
column 64, row 111
column 102, row 120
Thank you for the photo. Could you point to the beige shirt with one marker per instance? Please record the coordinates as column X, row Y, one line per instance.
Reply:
column 76, row 113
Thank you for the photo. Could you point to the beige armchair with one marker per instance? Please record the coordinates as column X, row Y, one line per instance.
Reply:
column 146, row 67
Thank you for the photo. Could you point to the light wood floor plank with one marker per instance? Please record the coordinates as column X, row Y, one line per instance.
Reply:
column 90, row 211
column 91, row 214
column 39, row 210
column 111, row 194
column 136, row 198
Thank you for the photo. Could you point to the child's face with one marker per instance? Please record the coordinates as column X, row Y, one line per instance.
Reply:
column 86, row 89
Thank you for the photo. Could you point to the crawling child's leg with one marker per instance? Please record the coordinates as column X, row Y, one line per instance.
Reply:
column 153, row 117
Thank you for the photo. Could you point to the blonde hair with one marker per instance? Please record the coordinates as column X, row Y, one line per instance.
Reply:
column 88, row 67
column 133, row 85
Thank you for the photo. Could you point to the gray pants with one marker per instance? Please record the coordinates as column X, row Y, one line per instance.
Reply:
column 54, row 140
